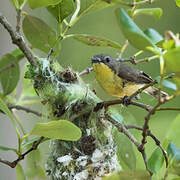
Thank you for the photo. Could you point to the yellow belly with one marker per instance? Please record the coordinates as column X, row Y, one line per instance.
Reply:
column 112, row 83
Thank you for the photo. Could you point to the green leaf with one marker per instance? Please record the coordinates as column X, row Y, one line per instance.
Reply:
column 17, row 3
column 33, row 160
column 115, row 114
column 178, row 3
column 61, row 129
column 177, row 80
column 167, row 83
column 132, row 32
column 5, row 109
column 3, row 148
column 20, row 172
column 29, row 142
column 27, row 90
column 18, row 54
column 126, row 175
column 88, row 6
column 156, row 12
column 174, row 151
column 95, row 41
column 173, row 131
column 41, row 173
column 62, row 10
column 125, row 150
column 42, row 3
column 172, row 59
column 10, row 72
column 153, row 35
column 39, row 34
column 169, row 44
column 112, row 177
column 156, row 160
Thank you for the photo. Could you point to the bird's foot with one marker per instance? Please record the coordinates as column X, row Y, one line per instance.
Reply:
column 126, row 101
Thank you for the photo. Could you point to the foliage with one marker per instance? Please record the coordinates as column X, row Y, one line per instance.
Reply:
column 42, row 37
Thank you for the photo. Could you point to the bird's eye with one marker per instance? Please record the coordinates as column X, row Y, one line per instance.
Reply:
column 107, row 58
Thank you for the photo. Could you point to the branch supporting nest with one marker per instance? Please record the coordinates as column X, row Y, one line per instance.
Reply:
column 28, row 110
column 22, row 156
column 18, row 40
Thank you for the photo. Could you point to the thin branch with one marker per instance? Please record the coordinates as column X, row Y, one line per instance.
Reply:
column 122, row 129
column 21, row 157
column 148, row 59
column 28, row 110
column 125, row 45
column 18, row 17
column 18, row 40
column 7, row 163
column 167, row 109
column 105, row 104
column 148, row 116
column 159, row 145
column 141, row 105
column 131, row 59
column 134, row 61
column 129, row 4
column 146, row 126
column 86, row 71
column 153, row 137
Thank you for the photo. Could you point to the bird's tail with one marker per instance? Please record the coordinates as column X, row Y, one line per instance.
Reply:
column 155, row 92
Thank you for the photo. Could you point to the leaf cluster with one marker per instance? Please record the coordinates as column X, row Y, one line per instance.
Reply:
column 42, row 37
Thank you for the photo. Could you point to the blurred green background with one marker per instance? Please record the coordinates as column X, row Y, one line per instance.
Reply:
column 78, row 56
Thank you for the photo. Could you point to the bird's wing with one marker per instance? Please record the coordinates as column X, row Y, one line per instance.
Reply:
column 128, row 73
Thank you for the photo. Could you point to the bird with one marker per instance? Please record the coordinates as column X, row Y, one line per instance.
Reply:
column 119, row 79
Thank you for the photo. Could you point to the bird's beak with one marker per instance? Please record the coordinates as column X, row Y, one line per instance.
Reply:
column 95, row 59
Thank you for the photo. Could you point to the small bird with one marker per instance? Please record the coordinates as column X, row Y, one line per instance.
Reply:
column 121, row 80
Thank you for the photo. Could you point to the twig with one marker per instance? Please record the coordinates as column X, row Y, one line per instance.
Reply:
column 120, row 101
column 131, row 4
column 146, row 127
column 28, row 110
column 18, row 17
column 131, row 59
column 7, row 163
column 121, row 128
column 167, row 109
column 18, row 40
column 141, row 105
column 51, row 50
column 21, row 157
column 134, row 61
column 86, row 71
column 123, row 49
column 159, row 145
column 153, row 137
column 146, row 59
column 148, row 116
